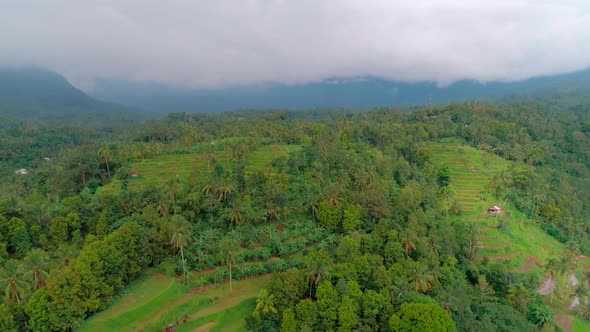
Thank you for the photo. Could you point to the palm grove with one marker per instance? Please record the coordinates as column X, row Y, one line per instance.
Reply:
column 357, row 224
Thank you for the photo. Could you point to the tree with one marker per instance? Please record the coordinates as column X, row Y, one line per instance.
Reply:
column 288, row 322
column 327, row 303
column 484, row 289
column 518, row 296
column 36, row 265
column 443, row 176
column 409, row 245
column 421, row 317
column 421, row 280
column 7, row 323
column 348, row 318
column 228, row 249
column 180, row 236
column 540, row 314
column 13, row 281
column 265, row 303
column 308, row 314
column 318, row 267
column 104, row 155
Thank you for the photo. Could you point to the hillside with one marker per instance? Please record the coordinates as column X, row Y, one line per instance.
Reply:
column 43, row 95
column 329, row 221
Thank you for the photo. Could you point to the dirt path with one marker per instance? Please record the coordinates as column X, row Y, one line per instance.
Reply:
column 204, row 328
column 223, row 304
column 565, row 322
column 499, row 256
column 498, row 245
column 528, row 263
column 547, row 286
column 196, row 290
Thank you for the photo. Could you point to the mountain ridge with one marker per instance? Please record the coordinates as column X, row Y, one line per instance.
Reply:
column 345, row 92
column 32, row 93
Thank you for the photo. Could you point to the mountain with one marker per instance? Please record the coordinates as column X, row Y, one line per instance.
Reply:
column 358, row 92
column 43, row 95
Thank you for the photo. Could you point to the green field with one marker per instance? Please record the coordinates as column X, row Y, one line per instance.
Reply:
column 471, row 172
column 156, row 301
column 169, row 166
column 522, row 245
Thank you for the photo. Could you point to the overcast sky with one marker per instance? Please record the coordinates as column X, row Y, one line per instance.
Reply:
column 225, row 42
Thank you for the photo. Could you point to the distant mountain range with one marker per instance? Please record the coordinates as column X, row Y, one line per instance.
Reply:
column 38, row 94
column 358, row 92
column 43, row 95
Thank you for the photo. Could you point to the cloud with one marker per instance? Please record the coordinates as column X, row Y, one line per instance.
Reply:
column 226, row 42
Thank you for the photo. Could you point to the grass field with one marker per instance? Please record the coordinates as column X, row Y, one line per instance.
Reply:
column 522, row 246
column 156, row 301
column 169, row 166
column 471, row 172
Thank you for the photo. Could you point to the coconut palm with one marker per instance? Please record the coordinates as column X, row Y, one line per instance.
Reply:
column 228, row 249
column 13, row 281
column 265, row 303
column 318, row 268
column 484, row 289
column 409, row 245
column 180, row 237
column 36, row 265
column 420, row 280
column 104, row 154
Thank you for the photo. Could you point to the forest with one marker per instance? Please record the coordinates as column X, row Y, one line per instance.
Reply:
column 371, row 220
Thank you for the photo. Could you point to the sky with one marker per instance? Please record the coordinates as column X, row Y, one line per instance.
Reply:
column 215, row 43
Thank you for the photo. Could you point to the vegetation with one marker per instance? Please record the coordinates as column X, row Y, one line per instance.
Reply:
column 315, row 221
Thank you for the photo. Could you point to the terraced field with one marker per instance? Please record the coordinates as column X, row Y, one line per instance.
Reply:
column 520, row 245
column 520, row 242
column 168, row 166
column 157, row 300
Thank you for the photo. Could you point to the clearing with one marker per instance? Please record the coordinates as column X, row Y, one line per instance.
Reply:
column 168, row 166
column 155, row 301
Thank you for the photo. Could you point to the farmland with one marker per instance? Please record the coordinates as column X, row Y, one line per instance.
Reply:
column 510, row 238
column 167, row 166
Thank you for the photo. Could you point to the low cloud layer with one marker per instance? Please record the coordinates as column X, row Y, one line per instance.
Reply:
column 227, row 42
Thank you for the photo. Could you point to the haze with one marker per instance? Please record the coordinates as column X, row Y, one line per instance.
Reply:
column 221, row 43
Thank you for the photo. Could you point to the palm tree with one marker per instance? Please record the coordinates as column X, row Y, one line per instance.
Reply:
column 180, row 236
column 317, row 269
column 265, row 303
column 36, row 264
column 420, row 280
column 472, row 236
column 104, row 154
column 228, row 249
column 542, row 314
column 484, row 289
column 409, row 245
column 13, row 280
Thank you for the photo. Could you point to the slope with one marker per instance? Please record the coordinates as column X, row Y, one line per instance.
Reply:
column 43, row 95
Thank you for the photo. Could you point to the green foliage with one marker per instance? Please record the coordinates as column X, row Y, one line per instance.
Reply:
column 7, row 320
column 421, row 317
column 288, row 322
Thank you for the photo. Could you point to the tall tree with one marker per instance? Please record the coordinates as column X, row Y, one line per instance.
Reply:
column 180, row 237
column 318, row 267
column 228, row 248
column 36, row 265
column 13, row 281
column 265, row 303
column 104, row 155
